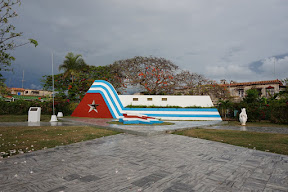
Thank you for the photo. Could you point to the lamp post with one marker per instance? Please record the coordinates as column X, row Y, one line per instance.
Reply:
column 53, row 117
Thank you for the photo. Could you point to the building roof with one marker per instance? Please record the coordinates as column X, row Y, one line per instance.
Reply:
column 254, row 83
column 17, row 89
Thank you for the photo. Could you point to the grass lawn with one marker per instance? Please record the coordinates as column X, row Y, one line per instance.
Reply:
column 256, row 124
column 276, row 143
column 22, row 118
column 20, row 139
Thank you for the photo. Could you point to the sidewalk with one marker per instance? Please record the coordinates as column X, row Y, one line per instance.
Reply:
column 128, row 162
column 160, row 162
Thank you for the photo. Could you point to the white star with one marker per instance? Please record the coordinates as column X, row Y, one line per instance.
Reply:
column 93, row 107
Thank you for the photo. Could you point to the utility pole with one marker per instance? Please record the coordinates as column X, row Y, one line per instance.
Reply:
column 274, row 68
column 23, row 79
column 53, row 117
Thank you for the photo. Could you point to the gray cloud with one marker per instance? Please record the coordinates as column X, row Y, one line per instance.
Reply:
column 220, row 39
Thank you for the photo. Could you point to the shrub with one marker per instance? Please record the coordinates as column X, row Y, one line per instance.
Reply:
column 21, row 107
column 279, row 112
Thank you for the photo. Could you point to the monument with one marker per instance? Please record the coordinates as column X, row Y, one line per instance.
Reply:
column 102, row 101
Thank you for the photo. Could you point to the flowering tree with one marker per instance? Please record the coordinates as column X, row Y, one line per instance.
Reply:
column 192, row 82
column 153, row 74
column 214, row 90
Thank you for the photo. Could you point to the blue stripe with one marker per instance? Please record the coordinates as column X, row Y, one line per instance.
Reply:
column 109, row 95
column 181, row 115
column 112, row 89
column 131, row 122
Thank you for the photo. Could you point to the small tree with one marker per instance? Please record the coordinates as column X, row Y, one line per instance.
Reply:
column 8, row 34
column 3, row 89
column 252, row 96
column 224, row 106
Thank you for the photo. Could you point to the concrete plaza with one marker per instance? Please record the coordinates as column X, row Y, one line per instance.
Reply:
column 160, row 162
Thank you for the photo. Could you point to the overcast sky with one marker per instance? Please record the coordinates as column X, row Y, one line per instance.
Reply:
column 239, row 40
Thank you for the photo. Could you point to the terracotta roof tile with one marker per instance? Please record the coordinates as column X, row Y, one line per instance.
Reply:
column 254, row 83
column 17, row 89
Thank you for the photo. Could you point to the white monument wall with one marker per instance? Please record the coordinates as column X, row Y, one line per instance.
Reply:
column 166, row 100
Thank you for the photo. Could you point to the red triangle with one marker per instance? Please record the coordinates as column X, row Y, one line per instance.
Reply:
column 83, row 108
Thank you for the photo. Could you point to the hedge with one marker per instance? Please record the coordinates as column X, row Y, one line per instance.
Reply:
column 21, row 107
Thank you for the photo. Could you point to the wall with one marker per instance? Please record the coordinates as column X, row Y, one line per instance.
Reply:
column 166, row 100
column 234, row 90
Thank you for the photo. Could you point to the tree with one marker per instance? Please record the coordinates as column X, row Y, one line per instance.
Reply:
column 8, row 34
column 285, row 82
column 224, row 105
column 75, row 90
column 191, row 81
column 155, row 75
column 252, row 96
column 72, row 65
column 3, row 89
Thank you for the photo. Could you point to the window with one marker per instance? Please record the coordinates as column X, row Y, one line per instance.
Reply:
column 35, row 92
column 26, row 92
column 149, row 99
column 241, row 92
column 164, row 99
column 135, row 99
column 259, row 92
column 270, row 92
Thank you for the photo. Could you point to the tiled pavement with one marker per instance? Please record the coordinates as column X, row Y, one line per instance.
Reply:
column 126, row 162
column 164, row 162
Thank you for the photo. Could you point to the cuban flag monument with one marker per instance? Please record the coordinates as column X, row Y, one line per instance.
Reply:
column 102, row 101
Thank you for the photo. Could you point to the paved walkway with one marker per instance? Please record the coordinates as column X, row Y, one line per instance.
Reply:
column 163, row 162
column 128, row 162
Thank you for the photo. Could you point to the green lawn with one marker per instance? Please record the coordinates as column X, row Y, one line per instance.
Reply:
column 256, row 124
column 22, row 118
column 276, row 143
column 22, row 139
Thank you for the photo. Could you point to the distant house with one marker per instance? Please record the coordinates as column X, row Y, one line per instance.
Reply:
column 29, row 94
column 265, row 88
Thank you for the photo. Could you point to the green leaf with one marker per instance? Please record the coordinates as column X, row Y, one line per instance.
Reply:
column 33, row 41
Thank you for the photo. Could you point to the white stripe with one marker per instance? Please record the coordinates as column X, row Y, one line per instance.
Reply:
column 108, row 99
column 174, row 112
column 109, row 92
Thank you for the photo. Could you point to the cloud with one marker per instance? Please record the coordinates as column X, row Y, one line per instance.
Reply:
column 36, row 87
column 231, row 72
column 220, row 39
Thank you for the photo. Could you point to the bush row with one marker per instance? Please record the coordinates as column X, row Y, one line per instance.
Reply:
column 21, row 107
column 275, row 111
